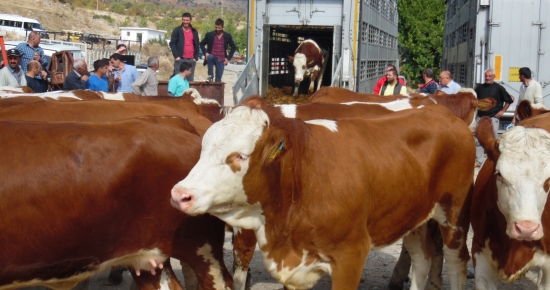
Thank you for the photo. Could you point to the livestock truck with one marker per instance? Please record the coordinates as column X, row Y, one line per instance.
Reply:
column 504, row 35
column 360, row 37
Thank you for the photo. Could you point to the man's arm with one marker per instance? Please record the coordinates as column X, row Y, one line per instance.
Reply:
column 507, row 98
column 203, row 43
column 174, row 42
column 43, row 59
column 136, row 86
column 233, row 47
column 537, row 97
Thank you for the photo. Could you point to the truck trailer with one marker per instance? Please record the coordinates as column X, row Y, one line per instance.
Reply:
column 360, row 37
column 504, row 35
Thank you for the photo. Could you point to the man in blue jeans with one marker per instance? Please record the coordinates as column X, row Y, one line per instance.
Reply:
column 215, row 52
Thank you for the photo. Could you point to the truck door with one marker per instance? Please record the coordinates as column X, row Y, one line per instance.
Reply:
column 336, row 74
column 542, row 73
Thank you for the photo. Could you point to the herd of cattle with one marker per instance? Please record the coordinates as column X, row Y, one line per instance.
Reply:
column 90, row 183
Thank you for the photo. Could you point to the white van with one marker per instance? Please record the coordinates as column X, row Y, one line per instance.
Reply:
column 20, row 25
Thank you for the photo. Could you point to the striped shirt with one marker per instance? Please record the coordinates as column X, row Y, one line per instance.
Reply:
column 27, row 54
column 218, row 50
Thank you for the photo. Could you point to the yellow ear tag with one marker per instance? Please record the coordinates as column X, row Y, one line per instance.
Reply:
column 274, row 154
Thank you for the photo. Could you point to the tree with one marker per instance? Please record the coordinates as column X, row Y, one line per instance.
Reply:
column 421, row 24
column 117, row 8
column 168, row 23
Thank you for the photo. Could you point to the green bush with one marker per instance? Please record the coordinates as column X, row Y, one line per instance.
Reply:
column 107, row 18
column 117, row 8
column 142, row 22
column 160, row 40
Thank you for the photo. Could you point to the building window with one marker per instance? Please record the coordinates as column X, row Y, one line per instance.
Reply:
column 128, row 33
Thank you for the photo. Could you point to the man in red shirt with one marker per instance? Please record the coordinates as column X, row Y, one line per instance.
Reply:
column 216, row 55
column 184, row 44
column 383, row 79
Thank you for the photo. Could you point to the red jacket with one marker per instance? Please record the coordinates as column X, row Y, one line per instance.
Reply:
column 381, row 82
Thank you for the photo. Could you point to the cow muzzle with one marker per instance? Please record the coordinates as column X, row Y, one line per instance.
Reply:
column 182, row 199
column 526, row 231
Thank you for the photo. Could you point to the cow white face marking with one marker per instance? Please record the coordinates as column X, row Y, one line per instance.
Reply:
column 523, row 168
column 329, row 124
column 288, row 111
column 300, row 64
column 215, row 184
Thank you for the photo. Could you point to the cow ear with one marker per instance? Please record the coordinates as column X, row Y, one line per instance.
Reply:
column 486, row 137
column 486, row 104
column 275, row 144
column 524, row 110
column 291, row 59
column 255, row 102
column 439, row 93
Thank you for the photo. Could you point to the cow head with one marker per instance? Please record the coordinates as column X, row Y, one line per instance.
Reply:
column 300, row 63
column 522, row 158
column 215, row 184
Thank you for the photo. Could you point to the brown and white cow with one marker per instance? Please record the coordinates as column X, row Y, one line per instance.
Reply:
column 78, row 198
column 463, row 105
column 309, row 61
column 510, row 214
column 320, row 194
column 526, row 110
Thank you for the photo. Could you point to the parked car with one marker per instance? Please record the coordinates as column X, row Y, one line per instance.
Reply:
column 90, row 38
column 237, row 59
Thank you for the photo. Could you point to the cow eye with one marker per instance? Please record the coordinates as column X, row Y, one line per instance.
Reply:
column 499, row 176
column 242, row 157
column 303, row 67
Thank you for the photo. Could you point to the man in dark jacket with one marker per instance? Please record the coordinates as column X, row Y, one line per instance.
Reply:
column 76, row 80
column 184, row 44
column 217, row 42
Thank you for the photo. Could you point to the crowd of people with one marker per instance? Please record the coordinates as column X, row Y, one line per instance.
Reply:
column 27, row 65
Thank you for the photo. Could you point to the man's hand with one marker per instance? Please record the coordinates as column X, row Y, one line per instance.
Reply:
column 44, row 74
column 225, row 61
column 499, row 114
column 178, row 58
column 84, row 78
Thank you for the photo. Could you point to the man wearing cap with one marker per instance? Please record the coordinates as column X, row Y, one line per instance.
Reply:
column 12, row 75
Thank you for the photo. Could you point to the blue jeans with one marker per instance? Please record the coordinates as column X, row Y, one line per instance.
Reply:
column 220, row 66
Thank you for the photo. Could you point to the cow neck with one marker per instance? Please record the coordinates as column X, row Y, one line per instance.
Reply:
column 283, row 200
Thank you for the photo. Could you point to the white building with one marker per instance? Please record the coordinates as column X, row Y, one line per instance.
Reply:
column 141, row 34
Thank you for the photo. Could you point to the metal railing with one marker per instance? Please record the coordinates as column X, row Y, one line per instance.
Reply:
column 247, row 83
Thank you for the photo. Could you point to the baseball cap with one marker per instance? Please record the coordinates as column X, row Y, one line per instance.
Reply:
column 13, row 52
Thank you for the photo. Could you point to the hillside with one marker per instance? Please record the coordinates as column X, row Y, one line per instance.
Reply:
column 57, row 16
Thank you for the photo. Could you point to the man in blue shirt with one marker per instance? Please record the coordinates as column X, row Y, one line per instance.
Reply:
column 98, row 81
column 179, row 83
column 447, row 84
column 126, row 74
column 27, row 50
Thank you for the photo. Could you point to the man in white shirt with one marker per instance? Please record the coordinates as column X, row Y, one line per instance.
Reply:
column 530, row 89
column 447, row 84
column 147, row 83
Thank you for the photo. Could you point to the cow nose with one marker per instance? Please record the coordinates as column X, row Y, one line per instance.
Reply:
column 181, row 199
column 299, row 79
column 527, row 230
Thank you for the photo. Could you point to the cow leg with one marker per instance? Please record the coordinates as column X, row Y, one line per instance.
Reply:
column 456, row 258
column 115, row 276
column 190, row 278
column 401, row 270
column 313, row 77
column 348, row 265
column 486, row 276
column 434, row 279
column 296, row 86
column 244, row 244
column 416, row 242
